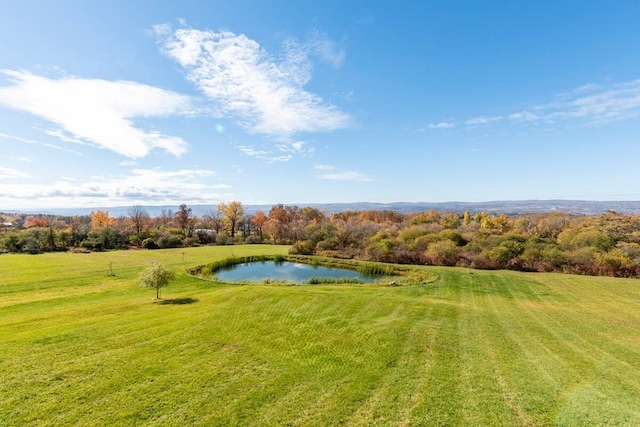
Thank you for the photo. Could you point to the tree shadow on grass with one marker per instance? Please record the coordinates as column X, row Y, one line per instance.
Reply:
column 176, row 301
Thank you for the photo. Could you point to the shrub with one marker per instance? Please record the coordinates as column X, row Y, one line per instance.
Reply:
column 443, row 252
column 149, row 243
column 306, row 247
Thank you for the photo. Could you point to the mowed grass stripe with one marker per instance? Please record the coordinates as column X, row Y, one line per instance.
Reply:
column 486, row 398
column 575, row 330
column 556, row 339
column 530, row 376
column 400, row 390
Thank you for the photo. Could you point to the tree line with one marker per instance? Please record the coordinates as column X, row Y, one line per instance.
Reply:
column 607, row 244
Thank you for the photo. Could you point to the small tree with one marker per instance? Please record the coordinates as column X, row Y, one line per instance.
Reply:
column 156, row 276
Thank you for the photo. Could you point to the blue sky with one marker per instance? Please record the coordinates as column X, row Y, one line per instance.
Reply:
column 119, row 103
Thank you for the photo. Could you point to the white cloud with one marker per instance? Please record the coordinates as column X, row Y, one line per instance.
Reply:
column 57, row 147
column 441, row 125
column 299, row 147
column 21, row 159
column 326, row 49
column 596, row 103
column 341, row 176
column 17, row 138
column 98, row 112
column 524, row 116
column 141, row 186
column 589, row 103
column 324, row 167
column 58, row 133
column 481, row 120
column 263, row 154
column 9, row 173
column 264, row 93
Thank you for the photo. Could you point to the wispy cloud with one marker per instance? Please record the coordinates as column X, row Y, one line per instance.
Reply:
column 298, row 147
column 58, row 133
column 17, row 138
column 441, row 125
column 9, row 173
column 333, row 175
column 59, row 148
column 22, row 159
column 524, row 116
column 141, row 186
column 588, row 104
column 596, row 103
column 482, row 120
column 263, row 92
column 346, row 176
column 324, row 167
column 265, row 155
column 325, row 48
column 97, row 112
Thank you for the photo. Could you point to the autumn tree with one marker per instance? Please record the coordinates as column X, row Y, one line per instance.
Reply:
column 312, row 215
column 166, row 215
column 214, row 219
column 450, row 220
column 232, row 214
column 39, row 221
column 466, row 219
column 102, row 235
column 281, row 221
column 139, row 219
column 101, row 219
column 184, row 219
column 79, row 229
column 245, row 225
column 258, row 220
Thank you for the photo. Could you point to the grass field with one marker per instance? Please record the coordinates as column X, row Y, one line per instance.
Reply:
column 81, row 343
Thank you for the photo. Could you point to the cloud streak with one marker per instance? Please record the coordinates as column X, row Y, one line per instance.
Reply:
column 262, row 92
column 441, row 125
column 331, row 174
column 97, row 112
column 596, row 103
column 482, row 120
column 9, row 173
column 17, row 138
column 265, row 155
column 589, row 104
column 141, row 186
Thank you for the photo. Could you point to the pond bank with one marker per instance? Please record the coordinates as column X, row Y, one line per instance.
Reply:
column 399, row 274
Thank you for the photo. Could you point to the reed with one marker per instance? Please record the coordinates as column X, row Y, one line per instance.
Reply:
column 318, row 280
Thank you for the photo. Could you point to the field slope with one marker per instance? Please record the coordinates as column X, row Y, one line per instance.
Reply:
column 82, row 344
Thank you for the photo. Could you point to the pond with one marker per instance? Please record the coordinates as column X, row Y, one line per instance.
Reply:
column 289, row 271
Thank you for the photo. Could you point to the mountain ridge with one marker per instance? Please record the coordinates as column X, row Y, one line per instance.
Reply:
column 578, row 207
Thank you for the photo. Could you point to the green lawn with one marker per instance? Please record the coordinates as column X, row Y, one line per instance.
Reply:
column 79, row 346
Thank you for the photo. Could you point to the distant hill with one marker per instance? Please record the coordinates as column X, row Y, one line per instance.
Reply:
column 582, row 207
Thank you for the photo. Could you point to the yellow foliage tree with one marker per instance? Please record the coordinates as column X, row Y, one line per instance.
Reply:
column 101, row 219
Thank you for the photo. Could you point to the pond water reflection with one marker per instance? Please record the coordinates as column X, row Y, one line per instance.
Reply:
column 289, row 271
